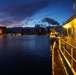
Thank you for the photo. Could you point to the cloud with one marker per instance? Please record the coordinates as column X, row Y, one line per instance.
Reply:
column 19, row 12
column 50, row 21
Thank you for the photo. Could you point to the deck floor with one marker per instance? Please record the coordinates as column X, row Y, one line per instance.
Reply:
column 58, row 70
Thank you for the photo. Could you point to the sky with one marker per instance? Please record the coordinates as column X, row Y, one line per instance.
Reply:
column 27, row 13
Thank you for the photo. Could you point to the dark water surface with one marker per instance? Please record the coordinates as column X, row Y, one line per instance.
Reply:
column 25, row 55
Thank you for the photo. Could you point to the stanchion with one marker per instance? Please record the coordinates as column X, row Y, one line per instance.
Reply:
column 53, row 62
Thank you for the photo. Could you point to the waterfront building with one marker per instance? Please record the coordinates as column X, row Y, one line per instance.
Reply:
column 70, row 24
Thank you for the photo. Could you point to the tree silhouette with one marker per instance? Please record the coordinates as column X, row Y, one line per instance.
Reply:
column 4, row 30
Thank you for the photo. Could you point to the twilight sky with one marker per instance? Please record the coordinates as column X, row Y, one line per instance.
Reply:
column 26, row 13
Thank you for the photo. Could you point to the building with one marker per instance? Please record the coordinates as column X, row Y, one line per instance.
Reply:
column 70, row 24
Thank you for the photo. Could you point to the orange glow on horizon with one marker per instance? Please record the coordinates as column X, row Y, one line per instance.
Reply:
column 0, row 31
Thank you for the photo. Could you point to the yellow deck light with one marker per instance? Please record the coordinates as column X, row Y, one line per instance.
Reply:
column 67, row 26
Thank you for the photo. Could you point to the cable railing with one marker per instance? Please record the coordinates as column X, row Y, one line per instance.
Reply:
column 67, row 54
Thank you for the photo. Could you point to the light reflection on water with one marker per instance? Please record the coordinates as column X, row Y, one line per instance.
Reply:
column 1, row 40
column 25, row 53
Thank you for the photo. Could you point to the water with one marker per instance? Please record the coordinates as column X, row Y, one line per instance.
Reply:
column 25, row 55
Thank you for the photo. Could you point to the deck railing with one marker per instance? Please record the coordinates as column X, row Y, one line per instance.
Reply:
column 67, row 55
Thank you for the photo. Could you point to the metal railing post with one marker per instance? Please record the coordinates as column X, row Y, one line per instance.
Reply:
column 59, row 44
column 53, row 59
column 71, row 58
column 64, row 47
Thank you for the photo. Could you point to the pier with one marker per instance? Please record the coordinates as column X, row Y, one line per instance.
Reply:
column 64, row 58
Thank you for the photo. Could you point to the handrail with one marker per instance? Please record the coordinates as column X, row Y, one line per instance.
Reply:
column 69, row 54
column 70, row 64
column 68, row 43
